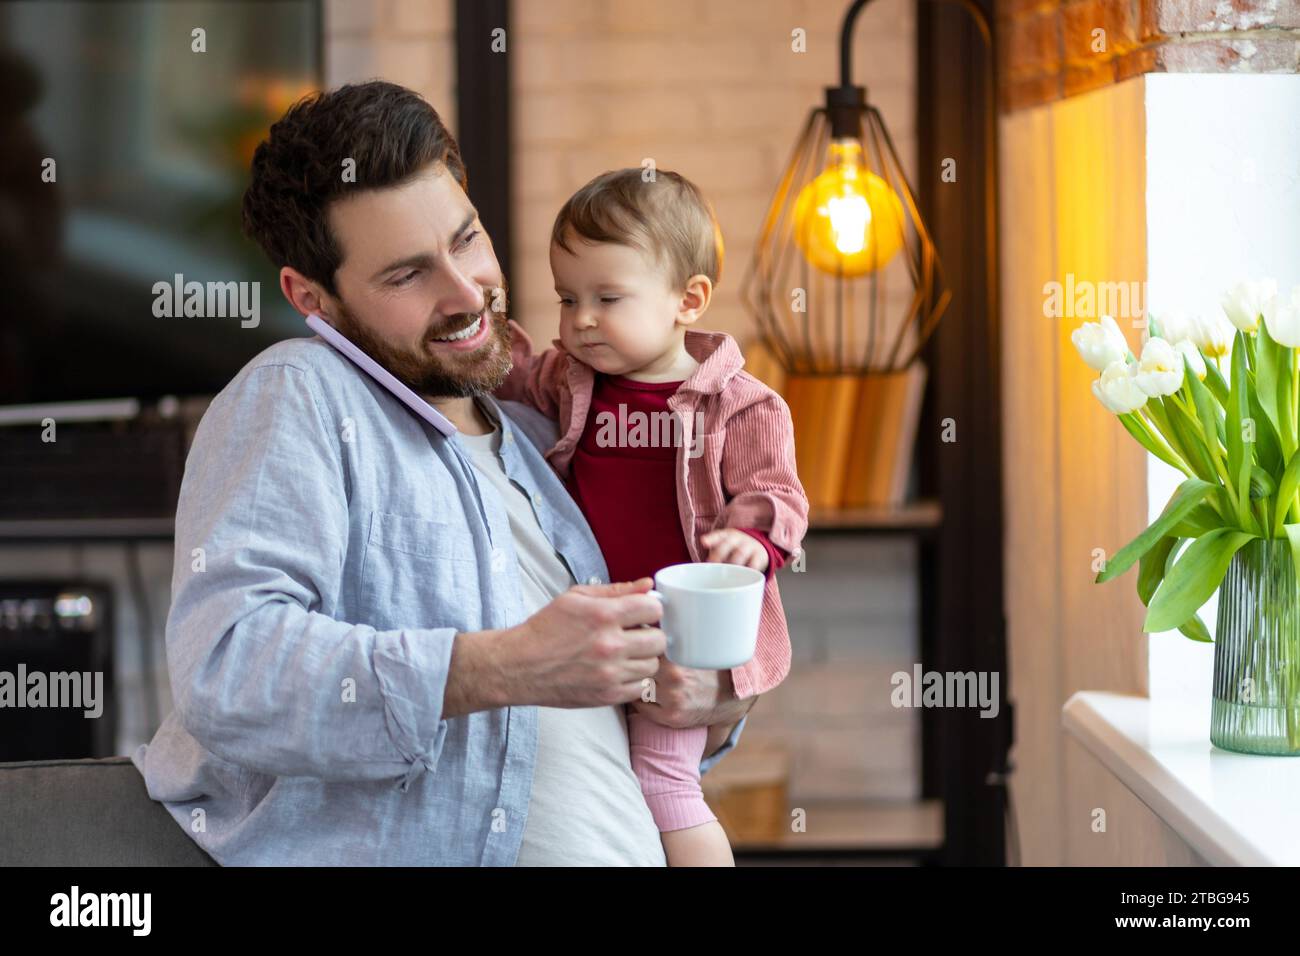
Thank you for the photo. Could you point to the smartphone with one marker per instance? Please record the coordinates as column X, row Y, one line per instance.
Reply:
column 380, row 374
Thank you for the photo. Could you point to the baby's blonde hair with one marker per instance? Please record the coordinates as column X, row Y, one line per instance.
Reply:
column 667, row 217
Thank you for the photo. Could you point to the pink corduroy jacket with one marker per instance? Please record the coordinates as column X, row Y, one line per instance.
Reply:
column 744, row 478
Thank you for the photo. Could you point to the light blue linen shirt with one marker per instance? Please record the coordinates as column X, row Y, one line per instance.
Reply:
column 329, row 546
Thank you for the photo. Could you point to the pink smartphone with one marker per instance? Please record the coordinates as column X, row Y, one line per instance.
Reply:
column 380, row 374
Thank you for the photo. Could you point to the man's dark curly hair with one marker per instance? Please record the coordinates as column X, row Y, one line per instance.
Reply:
column 389, row 131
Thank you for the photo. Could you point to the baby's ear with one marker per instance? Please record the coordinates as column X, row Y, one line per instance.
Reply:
column 695, row 299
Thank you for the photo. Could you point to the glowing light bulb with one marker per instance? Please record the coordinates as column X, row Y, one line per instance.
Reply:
column 848, row 221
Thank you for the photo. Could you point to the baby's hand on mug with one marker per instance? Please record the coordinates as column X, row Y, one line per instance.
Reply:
column 729, row 546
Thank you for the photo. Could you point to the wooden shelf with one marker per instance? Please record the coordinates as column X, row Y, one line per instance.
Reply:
column 839, row 826
column 917, row 515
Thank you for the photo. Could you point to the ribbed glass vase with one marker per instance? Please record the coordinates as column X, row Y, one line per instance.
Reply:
column 1256, row 699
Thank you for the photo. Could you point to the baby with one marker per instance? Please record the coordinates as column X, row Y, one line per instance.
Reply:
column 636, row 257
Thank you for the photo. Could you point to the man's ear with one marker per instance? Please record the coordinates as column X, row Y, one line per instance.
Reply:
column 695, row 299
column 305, row 295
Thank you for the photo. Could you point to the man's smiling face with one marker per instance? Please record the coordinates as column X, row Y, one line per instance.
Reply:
column 418, row 283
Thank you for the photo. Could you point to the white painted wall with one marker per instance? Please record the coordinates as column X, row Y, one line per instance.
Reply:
column 1223, row 204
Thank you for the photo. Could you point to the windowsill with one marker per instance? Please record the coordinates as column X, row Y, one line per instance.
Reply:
column 1233, row 809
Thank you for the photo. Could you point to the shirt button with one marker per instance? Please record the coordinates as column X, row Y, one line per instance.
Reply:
column 594, row 579
column 510, row 438
column 537, row 498
column 498, row 560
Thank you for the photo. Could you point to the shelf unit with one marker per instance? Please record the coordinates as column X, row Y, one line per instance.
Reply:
column 870, row 829
column 851, row 827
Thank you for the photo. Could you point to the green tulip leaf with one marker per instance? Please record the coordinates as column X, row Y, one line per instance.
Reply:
column 1190, row 442
column 1199, row 520
column 1193, row 578
column 1285, row 414
column 1240, row 452
column 1186, row 497
column 1204, row 403
column 1286, row 492
column 1262, row 484
column 1266, row 371
column 1146, row 441
column 1151, row 569
column 1268, row 374
column 1195, row 628
column 1268, row 449
column 1215, row 383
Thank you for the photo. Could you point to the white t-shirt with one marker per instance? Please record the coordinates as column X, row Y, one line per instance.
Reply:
column 586, row 807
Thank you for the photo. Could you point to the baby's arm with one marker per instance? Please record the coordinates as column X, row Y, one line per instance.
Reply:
column 766, row 504
column 762, row 487
column 535, row 380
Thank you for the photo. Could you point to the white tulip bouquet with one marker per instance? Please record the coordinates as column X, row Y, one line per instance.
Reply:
column 1235, row 439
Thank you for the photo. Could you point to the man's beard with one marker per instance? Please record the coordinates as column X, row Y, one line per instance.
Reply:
column 446, row 374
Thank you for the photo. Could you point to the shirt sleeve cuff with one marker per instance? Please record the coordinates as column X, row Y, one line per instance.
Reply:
column 775, row 556
column 707, row 763
column 412, row 668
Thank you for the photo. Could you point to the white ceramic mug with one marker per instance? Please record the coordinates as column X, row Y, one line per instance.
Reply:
column 711, row 613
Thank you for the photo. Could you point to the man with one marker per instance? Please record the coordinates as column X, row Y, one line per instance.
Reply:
column 387, row 645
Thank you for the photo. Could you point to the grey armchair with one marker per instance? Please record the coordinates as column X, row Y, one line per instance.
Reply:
column 87, row 813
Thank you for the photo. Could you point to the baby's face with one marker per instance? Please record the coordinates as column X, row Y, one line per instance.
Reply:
column 618, row 311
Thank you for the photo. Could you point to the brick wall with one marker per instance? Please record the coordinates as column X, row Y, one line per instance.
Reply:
column 411, row 42
column 1050, row 49
column 711, row 90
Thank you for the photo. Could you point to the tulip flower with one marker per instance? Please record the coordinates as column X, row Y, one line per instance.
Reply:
column 1160, row 371
column 1100, row 345
column 1244, row 303
column 1212, row 334
column 1118, row 390
column 1173, row 327
column 1283, row 319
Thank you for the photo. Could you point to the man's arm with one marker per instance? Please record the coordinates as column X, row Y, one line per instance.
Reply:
column 261, row 676
column 266, row 680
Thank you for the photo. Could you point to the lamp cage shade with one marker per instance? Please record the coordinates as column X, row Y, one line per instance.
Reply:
column 844, row 277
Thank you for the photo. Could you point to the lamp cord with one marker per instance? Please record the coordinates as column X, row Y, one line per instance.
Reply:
column 851, row 16
column 990, row 148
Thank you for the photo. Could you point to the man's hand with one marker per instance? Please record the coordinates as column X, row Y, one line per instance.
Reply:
column 687, row 697
column 730, row 546
column 585, row 648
